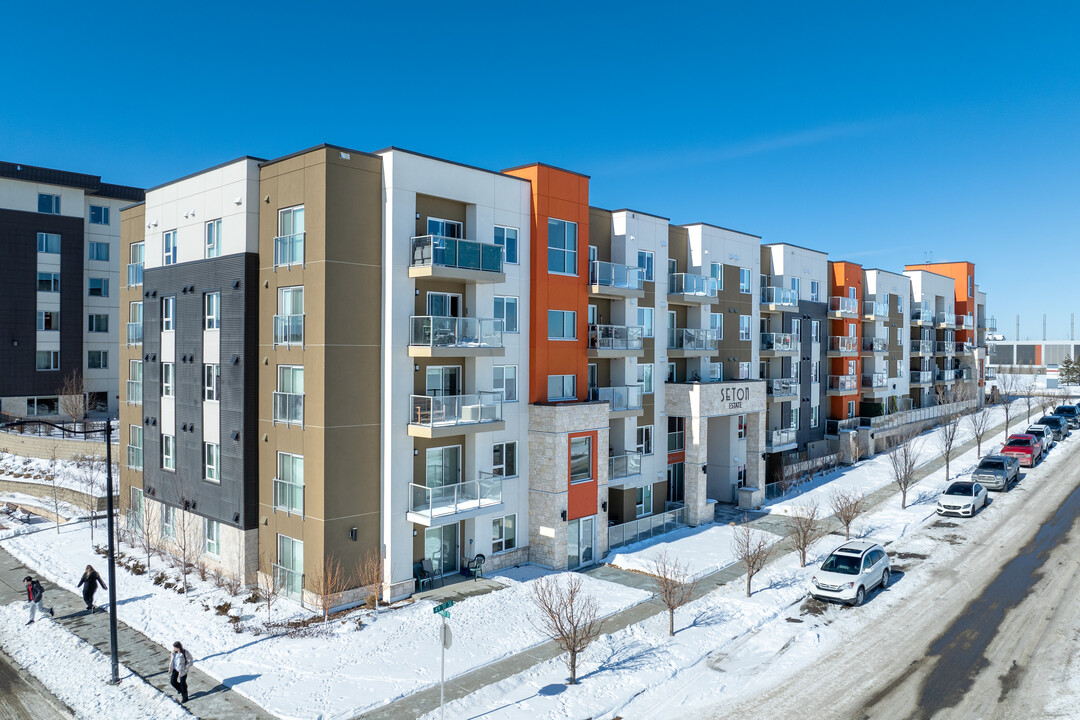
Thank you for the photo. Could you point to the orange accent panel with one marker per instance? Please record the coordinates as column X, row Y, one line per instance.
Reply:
column 842, row 276
column 676, row 457
column 959, row 272
column 1038, row 354
column 581, row 498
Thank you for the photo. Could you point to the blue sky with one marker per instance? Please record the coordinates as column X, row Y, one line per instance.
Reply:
column 878, row 132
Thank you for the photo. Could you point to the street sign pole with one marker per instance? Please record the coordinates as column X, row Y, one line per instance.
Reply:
column 444, row 642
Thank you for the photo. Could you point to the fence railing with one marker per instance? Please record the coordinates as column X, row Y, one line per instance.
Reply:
column 646, row 527
column 875, row 309
column 626, row 465
column 779, row 296
column 782, row 386
column 875, row 345
column 289, row 408
column 875, row 381
column 621, row 397
column 776, row 438
column 290, row 582
column 843, row 343
column 844, row 305
column 779, row 342
column 843, row 382
column 921, row 377
column 289, row 330
column 456, row 332
column 922, row 347
column 289, row 250
column 692, row 339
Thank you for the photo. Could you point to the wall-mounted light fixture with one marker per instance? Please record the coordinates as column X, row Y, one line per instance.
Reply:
column 563, row 515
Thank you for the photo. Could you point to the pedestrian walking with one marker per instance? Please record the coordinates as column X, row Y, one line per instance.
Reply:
column 35, row 594
column 179, row 663
column 89, row 583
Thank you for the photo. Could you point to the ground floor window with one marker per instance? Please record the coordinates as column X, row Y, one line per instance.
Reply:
column 441, row 548
column 644, row 501
column 289, row 571
column 135, row 511
column 168, row 521
column 211, row 537
column 504, row 533
column 42, row 406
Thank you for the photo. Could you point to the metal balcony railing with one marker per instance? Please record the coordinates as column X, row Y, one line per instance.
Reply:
column 627, row 277
column 134, row 392
column 776, row 438
column 134, row 274
column 844, row 305
column 875, row 381
column 289, row 582
column 779, row 342
column 134, row 333
column 448, row 410
column 134, row 457
column 875, row 309
column 615, row 337
column 692, row 339
column 289, row 250
column 625, row 465
column 687, row 284
column 843, row 343
column 289, row 330
column 779, row 296
column 875, row 345
column 621, row 397
column 456, row 332
column 440, row 251
column 444, row 500
column 782, row 386
column 289, row 408
column 646, row 527
column 288, row 496
column 844, row 382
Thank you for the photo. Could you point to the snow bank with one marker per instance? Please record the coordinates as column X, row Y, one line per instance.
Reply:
column 703, row 550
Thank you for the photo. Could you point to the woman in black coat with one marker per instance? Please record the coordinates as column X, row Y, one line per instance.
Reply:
column 89, row 583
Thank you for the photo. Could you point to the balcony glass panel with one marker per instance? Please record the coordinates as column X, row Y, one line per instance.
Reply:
column 922, row 377
column 688, row 284
column 945, row 318
column 628, row 277
column 779, row 296
column 626, row 465
column 965, row 321
column 846, row 305
column 291, row 582
column 875, row 380
column 289, row 330
column 843, row 343
column 875, row 309
column 776, row 438
column 921, row 346
column 449, row 410
column 134, row 274
column 456, row 332
column 945, row 348
column 843, row 382
column 779, row 342
column 443, row 500
column 289, row 408
column 921, row 312
column 877, row 345
column 692, row 338
column 646, row 527
column 134, row 333
column 622, row 397
column 946, row 375
column 288, row 496
column 440, row 251
column 782, row 386
column 615, row 337
column 289, row 250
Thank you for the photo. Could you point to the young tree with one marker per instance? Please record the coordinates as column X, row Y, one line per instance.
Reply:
column 847, row 505
column 1008, row 387
column 673, row 585
column 1069, row 371
column 91, row 473
column 1048, row 400
column 328, row 582
column 148, row 523
column 1030, row 392
column 73, row 396
column 270, row 585
column 804, row 529
column 752, row 548
column 903, row 459
column 188, row 537
column 979, row 421
column 946, row 433
column 567, row 616
column 369, row 573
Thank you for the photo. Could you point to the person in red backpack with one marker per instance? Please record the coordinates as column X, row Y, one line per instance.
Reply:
column 34, row 595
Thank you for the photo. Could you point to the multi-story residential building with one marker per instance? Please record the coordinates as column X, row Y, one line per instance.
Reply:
column 885, row 358
column 845, row 344
column 60, row 235
column 933, row 334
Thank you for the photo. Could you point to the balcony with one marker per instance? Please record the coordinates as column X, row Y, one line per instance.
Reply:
column 921, row 314
column 614, row 280
column 965, row 348
column 922, row 347
column 646, row 527
column 134, row 457
column 843, row 307
column 946, row 320
column 134, row 392
column 454, row 259
column 440, row 336
column 134, row 334
column 435, row 417
column 777, row 299
column 615, row 340
column 778, row 344
column 875, row 310
column 623, row 466
column 622, row 400
column 921, row 377
column 290, row 581
column 991, row 325
column 874, row 346
column 946, row 376
column 965, row 322
column 947, row 347
column 782, row 388
column 843, row 385
column 990, row 373
column 134, row 274
column 289, row 330
column 876, row 383
column 691, row 289
column 461, row 501
column 779, row 440
column 692, row 342
column 843, row 346
column 289, row 408
column 289, row 250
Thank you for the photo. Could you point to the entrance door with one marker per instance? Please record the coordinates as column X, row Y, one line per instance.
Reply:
column 290, row 570
column 675, row 482
column 443, row 380
column 581, row 543
column 441, row 547
column 442, row 304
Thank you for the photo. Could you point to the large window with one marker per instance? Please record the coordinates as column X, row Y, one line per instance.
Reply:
column 716, row 322
column 213, row 238
column 97, row 359
column 168, row 452
column 168, row 521
column 562, row 247
column 445, row 228
column 48, row 282
column 48, row 320
column 504, row 533
column 167, row 369
column 48, row 360
column 289, row 484
column 37, row 406
column 644, row 439
column 98, row 251
column 168, row 313
column 212, row 310
column 212, row 462
column 289, row 243
column 289, row 398
column 212, row 382
column 744, row 371
column 676, row 434
column 443, row 466
column 562, row 325
column 744, row 281
column 815, row 291
column 504, row 459
column 504, row 377
column 580, row 459
column 815, row 415
column 506, row 309
column 645, row 320
column 796, row 285
column 168, row 247
column 562, row 387
column 645, row 377
column 211, row 537
column 48, row 204
column 48, row 243
column 744, row 327
column 815, row 331
column 507, row 237
column 645, row 262
column 99, row 287
column 717, row 272
column 99, row 215
column 97, row 323
column 643, row 501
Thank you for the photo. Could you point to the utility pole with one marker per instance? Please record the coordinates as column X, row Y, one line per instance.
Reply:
column 1044, row 327
column 1072, row 325
column 1017, row 326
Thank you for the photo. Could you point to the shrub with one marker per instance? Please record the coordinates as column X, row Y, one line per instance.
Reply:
column 223, row 608
column 160, row 578
column 254, row 597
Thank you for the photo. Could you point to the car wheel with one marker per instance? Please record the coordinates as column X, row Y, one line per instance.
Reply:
column 885, row 579
column 859, row 597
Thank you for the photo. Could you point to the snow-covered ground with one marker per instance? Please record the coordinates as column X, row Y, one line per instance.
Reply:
column 702, row 550
column 68, row 474
column 337, row 671
column 77, row 672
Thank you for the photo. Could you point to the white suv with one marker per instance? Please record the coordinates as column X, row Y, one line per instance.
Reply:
column 851, row 571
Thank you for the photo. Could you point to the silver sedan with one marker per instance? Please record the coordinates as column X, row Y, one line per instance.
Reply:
column 962, row 498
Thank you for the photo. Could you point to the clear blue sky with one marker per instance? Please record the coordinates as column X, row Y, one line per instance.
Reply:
column 875, row 131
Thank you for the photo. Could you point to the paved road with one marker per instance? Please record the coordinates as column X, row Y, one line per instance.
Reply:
column 23, row 698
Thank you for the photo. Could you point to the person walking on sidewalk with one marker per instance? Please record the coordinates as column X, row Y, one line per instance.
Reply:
column 35, row 594
column 179, row 664
column 89, row 583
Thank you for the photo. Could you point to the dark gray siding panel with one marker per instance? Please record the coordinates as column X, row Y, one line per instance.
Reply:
column 809, row 312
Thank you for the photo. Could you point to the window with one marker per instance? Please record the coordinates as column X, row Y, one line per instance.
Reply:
column 503, row 533
column 99, row 215
column 815, row 415
column 899, row 368
column 49, row 204
column 507, row 238
column 167, row 369
column 42, row 406
column 97, row 323
column 48, row 243
column 592, row 315
column 740, row 476
column 716, row 322
column 815, row 291
column 971, row 285
column 899, row 337
column 716, row 371
column 716, row 270
column 815, row 371
column 643, row 503
column 168, row 452
column 212, row 462
column 504, row 459
column 562, row 247
column 289, row 483
column 815, row 331
column 744, row 327
column 900, row 303
column 504, row 377
column 795, row 418
column 168, row 254
column 675, row 434
column 645, row 320
column 644, row 439
column 48, row 282
column 213, row 238
column 672, row 266
column 99, row 287
column 506, row 309
column 562, row 325
column 796, row 284
column 744, row 371
column 580, row 459
column 48, row 359
column 851, row 408
column 796, row 369
column 98, row 251
column 47, row 320
column 442, row 466
column 97, row 359
column 592, row 375
column 445, row 228
column 168, row 521
column 168, row 312
column 289, row 243
column 212, row 382
column 211, row 537
column 645, row 377
column 212, row 310
column 744, row 281
column 741, row 427
column 645, row 262
column 562, row 387
column 850, row 367
column 671, row 372
column 796, row 329
column 289, row 397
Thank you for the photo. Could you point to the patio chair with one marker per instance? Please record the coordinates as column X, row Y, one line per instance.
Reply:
column 424, row 574
column 429, row 569
column 476, row 566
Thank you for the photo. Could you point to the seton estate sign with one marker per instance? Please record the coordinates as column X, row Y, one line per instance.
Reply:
column 734, row 397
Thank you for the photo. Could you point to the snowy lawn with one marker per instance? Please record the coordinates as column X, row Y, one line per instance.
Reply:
column 78, row 673
column 336, row 670
column 68, row 474
column 703, row 550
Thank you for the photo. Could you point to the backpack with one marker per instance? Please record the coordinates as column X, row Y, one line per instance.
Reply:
column 36, row 591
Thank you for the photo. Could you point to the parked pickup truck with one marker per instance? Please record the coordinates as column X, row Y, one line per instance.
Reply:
column 996, row 472
column 1025, row 448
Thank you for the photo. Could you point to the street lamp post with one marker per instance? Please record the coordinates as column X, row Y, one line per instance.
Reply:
column 112, row 536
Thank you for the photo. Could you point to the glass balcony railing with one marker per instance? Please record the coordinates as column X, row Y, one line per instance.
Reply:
column 692, row 339
column 289, row 582
column 289, row 250
column 627, row 277
column 965, row 322
column 449, row 410
column 625, row 465
column 964, row 347
column 922, row 377
column 445, row 500
column 921, row 313
column 990, row 373
column 878, row 310
column 134, row 457
column 875, row 345
column 620, row 397
column 456, row 332
column 134, row 392
column 134, row 274
column 289, row 330
column 615, row 337
column 963, row 374
column 843, row 343
column 439, row 251
column 946, row 375
column 875, row 381
column 844, row 305
column 945, row 318
column 646, row 527
column 687, row 284
column 782, row 386
column 922, row 347
column 134, row 333
column 779, row 342
column 776, row 438
column 991, row 325
column 948, row 347
column 779, row 296
column 289, row 408
column 844, row 383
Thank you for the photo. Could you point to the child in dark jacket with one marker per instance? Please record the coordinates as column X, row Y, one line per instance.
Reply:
column 89, row 584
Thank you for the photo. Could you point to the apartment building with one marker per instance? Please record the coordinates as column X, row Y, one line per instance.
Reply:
column 885, row 330
column 60, row 234
column 846, row 296
column 935, row 363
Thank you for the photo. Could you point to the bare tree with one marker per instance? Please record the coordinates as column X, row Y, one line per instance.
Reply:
column 369, row 572
column 903, row 459
column 187, row 537
column 53, row 478
column 148, row 522
column 946, row 433
column 1031, row 395
column 804, row 528
column 73, row 396
column 1008, row 387
column 752, row 548
column 567, row 616
column 673, row 585
column 979, row 422
column 91, row 473
column 847, row 505
column 1049, row 400
column 328, row 582
column 270, row 585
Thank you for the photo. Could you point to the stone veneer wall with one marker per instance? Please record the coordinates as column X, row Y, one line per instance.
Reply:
column 42, row 447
